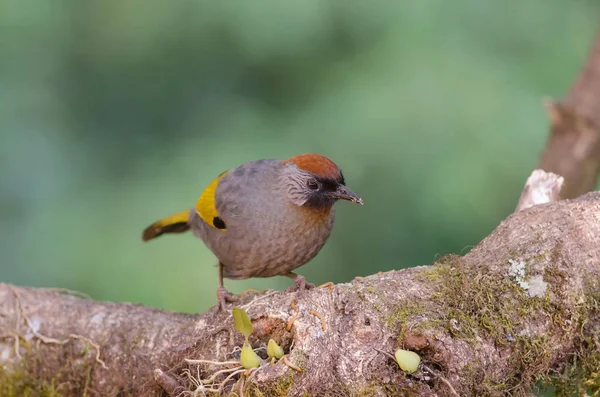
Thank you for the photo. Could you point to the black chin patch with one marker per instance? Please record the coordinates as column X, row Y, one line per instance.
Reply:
column 319, row 200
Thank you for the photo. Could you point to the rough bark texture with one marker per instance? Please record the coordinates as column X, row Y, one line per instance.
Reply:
column 573, row 148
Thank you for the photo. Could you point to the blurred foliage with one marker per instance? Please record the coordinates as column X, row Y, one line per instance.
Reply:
column 115, row 113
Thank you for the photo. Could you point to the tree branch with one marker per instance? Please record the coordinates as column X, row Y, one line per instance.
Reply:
column 573, row 148
column 523, row 305
column 541, row 187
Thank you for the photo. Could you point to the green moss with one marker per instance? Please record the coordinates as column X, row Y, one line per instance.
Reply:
column 410, row 316
column 34, row 376
column 403, row 314
column 374, row 387
column 477, row 304
column 494, row 309
column 277, row 388
column 20, row 383
column 471, row 304
column 479, row 382
column 368, row 391
column 282, row 385
column 582, row 374
column 376, row 390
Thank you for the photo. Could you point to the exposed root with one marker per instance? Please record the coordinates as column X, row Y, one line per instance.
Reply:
column 212, row 384
column 231, row 375
column 440, row 377
column 187, row 360
column 328, row 284
column 290, row 322
column 292, row 366
column 95, row 345
column 228, row 378
column 17, row 342
column 321, row 317
column 200, row 389
column 167, row 382
column 242, row 384
column 250, row 291
column 214, row 376
column 388, row 355
column 203, row 386
column 49, row 340
column 293, row 305
column 254, row 301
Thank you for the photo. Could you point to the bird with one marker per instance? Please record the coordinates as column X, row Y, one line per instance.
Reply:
column 264, row 218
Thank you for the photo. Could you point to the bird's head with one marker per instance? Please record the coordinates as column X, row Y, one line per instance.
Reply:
column 315, row 181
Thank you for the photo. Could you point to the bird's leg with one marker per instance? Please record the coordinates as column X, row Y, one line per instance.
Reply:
column 300, row 283
column 224, row 296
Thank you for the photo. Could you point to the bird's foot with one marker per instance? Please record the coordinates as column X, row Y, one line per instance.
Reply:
column 300, row 284
column 225, row 296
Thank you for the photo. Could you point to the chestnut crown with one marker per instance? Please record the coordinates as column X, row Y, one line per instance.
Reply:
column 314, row 180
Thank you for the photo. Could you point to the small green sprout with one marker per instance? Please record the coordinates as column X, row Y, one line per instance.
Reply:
column 274, row 350
column 242, row 323
column 407, row 360
column 248, row 357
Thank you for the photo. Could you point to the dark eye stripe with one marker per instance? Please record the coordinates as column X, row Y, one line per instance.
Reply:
column 328, row 184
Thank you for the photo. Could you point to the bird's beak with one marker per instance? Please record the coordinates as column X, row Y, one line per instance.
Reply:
column 342, row 192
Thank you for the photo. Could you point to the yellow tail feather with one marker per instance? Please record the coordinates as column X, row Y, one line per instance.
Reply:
column 176, row 223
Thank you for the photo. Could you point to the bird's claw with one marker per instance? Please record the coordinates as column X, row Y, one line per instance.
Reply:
column 300, row 284
column 225, row 296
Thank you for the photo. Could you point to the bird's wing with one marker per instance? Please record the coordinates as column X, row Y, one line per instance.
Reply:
column 243, row 194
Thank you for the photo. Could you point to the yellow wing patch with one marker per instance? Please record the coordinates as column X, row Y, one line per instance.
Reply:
column 206, row 208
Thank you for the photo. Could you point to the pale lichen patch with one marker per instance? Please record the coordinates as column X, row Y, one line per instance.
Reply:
column 537, row 287
column 516, row 270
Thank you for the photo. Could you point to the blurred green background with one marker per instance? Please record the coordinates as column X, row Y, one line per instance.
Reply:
column 115, row 113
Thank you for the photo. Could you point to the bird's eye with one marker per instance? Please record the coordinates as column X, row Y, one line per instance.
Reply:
column 312, row 184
